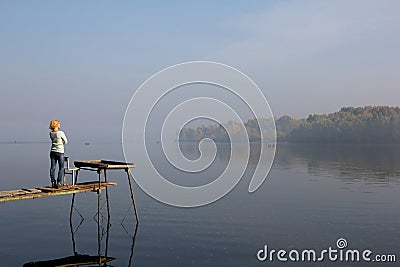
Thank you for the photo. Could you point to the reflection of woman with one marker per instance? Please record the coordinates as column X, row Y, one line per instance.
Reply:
column 58, row 139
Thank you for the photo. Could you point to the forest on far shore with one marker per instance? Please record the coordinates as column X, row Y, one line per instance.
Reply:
column 369, row 124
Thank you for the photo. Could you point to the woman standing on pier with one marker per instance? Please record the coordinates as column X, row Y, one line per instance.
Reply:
column 58, row 139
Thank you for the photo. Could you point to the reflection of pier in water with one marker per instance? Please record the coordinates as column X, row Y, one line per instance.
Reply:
column 82, row 259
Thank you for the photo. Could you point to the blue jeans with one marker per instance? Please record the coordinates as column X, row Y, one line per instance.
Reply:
column 54, row 158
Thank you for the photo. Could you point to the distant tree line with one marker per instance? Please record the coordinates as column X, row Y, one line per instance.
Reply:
column 218, row 132
column 370, row 124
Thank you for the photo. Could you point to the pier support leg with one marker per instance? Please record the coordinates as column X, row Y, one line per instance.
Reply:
column 128, row 172
column 98, row 218
column 75, row 179
column 108, row 213
column 107, row 199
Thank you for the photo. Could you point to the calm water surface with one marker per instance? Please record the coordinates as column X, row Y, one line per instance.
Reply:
column 312, row 196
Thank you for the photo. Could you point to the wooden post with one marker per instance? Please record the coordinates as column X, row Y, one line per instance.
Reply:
column 108, row 213
column 108, row 202
column 132, row 195
column 76, row 177
column 98, row 217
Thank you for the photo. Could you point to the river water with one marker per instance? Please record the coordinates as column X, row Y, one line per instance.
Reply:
column 313, row 196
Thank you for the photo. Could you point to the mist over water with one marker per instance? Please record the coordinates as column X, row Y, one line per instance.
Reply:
column 312, row 196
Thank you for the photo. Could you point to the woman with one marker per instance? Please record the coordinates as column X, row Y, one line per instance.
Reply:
column 58, row 139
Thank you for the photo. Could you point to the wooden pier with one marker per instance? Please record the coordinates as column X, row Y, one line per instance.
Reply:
column 46, row 191
column 101, row 167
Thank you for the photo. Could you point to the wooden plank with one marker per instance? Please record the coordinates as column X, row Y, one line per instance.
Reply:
column 88, row 163
column 19, row 192
column 13, row 191
column 117, row 164
column 103, row 164
column 48, row 191
column 32, row 190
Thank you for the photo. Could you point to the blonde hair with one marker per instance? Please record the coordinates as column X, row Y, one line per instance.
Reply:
column 54, row 124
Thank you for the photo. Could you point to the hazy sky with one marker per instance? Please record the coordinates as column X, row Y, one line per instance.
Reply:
column 81, row 61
